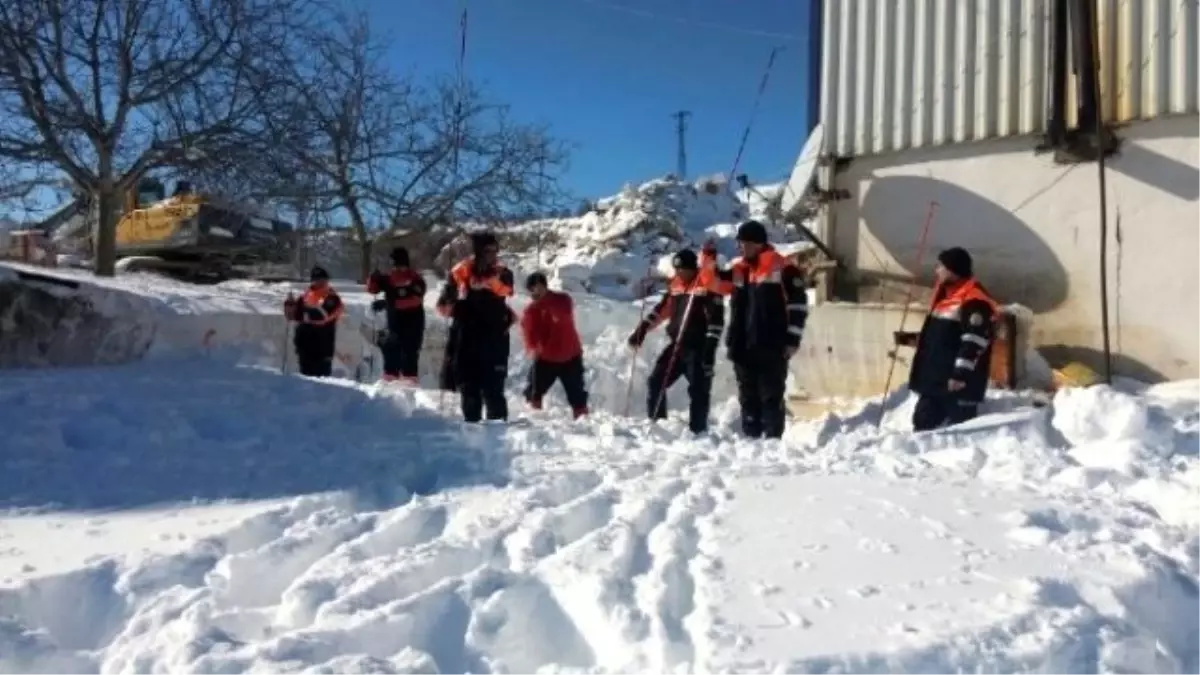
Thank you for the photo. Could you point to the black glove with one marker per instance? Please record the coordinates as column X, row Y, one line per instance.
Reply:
column 904, row 339
column 313, row 313
column 638, row 336
column 381, row 337
column 379, row 305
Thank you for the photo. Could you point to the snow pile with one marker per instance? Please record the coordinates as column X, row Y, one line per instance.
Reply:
column 66, row 317
column 370, row 532
column 104, row 321
column 628, row 238
column 762, row 201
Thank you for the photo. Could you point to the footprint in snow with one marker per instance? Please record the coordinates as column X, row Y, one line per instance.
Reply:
column 820, row 602
column 868, row 545
column 762, row 589
column 794, row 620
column 864, row 591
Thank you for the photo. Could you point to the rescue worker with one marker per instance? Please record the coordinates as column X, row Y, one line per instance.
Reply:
column 768, row 308
column 949, row 370
column 475, row 298
column 548, row 327
column 316, row 314
column 695, row 316
column 403, row 300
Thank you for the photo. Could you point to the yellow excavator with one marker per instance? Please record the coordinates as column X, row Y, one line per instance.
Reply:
column 198, row 237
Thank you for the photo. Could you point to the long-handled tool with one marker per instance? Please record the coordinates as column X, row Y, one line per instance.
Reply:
column 636, row 350
column 887, row 386
column 287, row 334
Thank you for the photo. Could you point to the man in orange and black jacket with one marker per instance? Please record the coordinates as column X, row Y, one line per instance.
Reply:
column 475, row 298
column 695, row 316
column 403, row 291
column 316, row 314
column 950, row 368
column 768, row 309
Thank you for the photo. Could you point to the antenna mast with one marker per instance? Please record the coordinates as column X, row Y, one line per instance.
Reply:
column 681, row 120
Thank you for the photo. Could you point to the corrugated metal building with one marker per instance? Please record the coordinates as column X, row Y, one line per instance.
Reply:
column 906, row 74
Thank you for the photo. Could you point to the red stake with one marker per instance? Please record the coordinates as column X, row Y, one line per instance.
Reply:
column 887, row 386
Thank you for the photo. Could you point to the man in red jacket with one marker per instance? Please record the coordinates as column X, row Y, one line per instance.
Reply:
column 548, row 326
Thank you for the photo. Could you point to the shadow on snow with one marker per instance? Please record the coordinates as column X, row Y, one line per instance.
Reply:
column 119, row 438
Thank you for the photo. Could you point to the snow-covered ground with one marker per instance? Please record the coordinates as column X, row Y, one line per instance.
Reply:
column 195, row 511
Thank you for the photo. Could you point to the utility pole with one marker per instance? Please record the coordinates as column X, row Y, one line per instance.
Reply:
column 541, row 189
column 681, row 120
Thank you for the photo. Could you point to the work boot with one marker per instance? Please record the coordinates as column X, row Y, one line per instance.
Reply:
column 579, row 412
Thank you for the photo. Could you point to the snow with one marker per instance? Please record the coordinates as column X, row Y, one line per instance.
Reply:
column 630, row 237
column 194, row 511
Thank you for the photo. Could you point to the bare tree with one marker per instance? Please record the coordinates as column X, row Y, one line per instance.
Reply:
column 384, row 150
column 336, row 116
column 469, row 160
column 105, row 91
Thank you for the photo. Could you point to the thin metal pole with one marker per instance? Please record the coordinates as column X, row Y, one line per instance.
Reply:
column 1102, row 183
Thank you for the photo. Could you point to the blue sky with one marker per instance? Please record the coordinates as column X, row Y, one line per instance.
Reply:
column 607, row 77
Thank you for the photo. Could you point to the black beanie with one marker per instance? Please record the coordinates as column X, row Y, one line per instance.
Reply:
column 318, row 273
column 482, row 240
column 400, row 256
column 752, row 232
column 685, row 260
column 958, row 261
column 536, row 279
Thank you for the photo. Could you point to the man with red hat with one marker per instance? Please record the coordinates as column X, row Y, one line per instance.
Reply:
column 949, row 370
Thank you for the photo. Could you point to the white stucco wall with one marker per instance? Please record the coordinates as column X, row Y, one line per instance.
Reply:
column 1033, row 228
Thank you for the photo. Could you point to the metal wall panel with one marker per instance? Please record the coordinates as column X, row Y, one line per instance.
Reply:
column 902, row 74
column 1148, row 59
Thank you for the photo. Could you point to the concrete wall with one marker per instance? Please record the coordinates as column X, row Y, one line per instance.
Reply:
column 1032, row 226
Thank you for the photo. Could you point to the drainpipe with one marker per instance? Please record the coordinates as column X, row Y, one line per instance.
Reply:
column 1084, row 53
column 816, row 34
column 1056, row 122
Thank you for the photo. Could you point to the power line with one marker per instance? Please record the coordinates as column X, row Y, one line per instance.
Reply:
column 694, row 22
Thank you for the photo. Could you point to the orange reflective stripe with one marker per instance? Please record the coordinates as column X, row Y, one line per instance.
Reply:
column 465, row 280
column 769, row 268
column 315, row 298
column 949, row 306
column 498, row 287
column 701, row 284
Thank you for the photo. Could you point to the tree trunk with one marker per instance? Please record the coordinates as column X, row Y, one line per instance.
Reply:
column 105, row 261
column 106, row 231
column 366, row 260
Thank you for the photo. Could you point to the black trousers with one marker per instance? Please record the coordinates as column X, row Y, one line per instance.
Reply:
column 481, row 387
column 314, row 349
column 401, row 354
column 762, row 387
column 689, row 364
column 543, row 375
column 942, row 410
